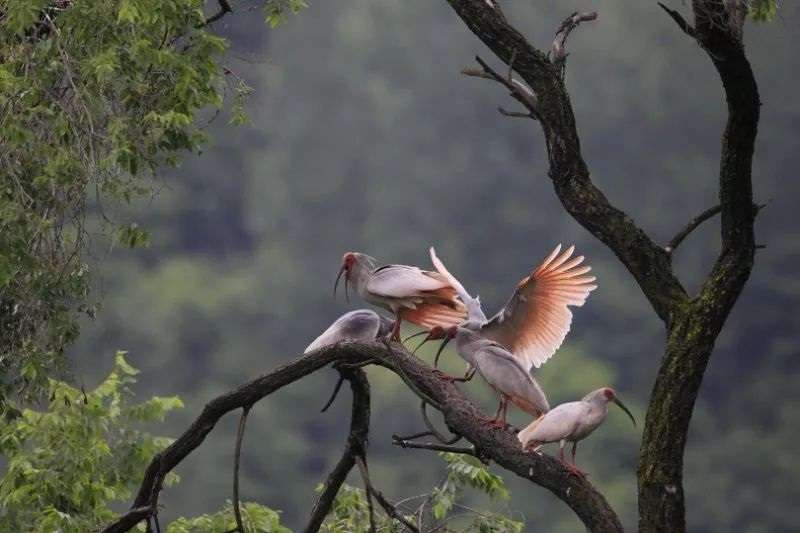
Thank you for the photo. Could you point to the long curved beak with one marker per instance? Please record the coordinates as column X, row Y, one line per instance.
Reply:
column 417, row 334
column 439, row 351
column 346, row 280
column 426, row 339
column 622, row 406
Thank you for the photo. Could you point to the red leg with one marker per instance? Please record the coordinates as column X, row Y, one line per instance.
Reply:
column 571, row 466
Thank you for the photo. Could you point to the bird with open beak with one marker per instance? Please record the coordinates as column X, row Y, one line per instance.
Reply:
column 502, row 371
column 419, row 296
column 571, row 422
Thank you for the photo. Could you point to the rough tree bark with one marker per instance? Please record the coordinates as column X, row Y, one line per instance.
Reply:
column 692, row 322
column 460, row 415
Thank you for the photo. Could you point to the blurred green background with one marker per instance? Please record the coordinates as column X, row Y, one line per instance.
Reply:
column 364, row 136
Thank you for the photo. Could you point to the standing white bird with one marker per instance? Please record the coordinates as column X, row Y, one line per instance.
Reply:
column 419, row 296
column 501, row 370
column 358, row 325
column 571, row 422
column 536, row 319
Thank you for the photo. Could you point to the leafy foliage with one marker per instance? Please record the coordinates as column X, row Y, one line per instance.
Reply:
column 96, row 97
column 763, row 10
column 276, row 11
column 255, row 519
column 69, row 463
column 440, row 510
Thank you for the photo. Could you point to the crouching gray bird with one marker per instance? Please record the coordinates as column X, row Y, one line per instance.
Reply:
column 419, row 296
column 360, row 325
column 571, row 422
column 502, row 371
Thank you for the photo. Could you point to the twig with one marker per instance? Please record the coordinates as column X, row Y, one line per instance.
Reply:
column 424, row 409
column 690, row 227
column 517, row 89
column 391, row 510
column 466, row 450
column 333, row 394
column 388, row 508
column 356, row 441
column 237, row 513
column 680, row 21
column 558, row 52
column 362, row 467
column 224, row 9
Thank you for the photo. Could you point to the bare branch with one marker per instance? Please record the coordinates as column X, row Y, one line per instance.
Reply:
column 237, row 513
column 466, row 450
column 224, row 9
column 361, row 462
column 460, row 415
column 515, row 114
column 679, row 20
column 646, row 260
column 518, row 90
column 558, row 51
column 690, row 227
column 356, row 441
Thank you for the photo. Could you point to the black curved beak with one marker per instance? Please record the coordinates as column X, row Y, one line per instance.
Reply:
column 417, row 334
column 342, row 270
column 439, row 351
column 426, row 339
column 627, row 411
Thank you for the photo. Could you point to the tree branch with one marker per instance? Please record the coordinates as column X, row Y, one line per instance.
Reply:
column 644, row 259
column 356, row 440
column 237, row 512
column 460, row 415
column 692, row 335
column 224, row 9
column 690, row 227
column 679, row 20
column 558, row 51
column 466, row 450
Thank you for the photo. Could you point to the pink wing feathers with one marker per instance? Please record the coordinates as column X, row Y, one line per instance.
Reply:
column 537, row 318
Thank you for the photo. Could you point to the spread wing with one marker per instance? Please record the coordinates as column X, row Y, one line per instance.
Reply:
column 358, row 325
column 474, row 310
column 537, row 318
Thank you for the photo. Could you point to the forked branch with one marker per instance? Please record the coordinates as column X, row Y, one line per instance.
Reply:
column 460, row 415
column 690, row 227
column 356, row 442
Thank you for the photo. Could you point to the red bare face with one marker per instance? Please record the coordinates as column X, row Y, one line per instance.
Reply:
column 347, row 260
column 609, row 393
column 437, row 332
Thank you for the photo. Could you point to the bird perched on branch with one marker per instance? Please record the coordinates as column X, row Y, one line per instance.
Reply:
column 536, row 319
column 522, row 335
column 359, row 325
column 362, row 325
column 571, row 422
column 502, row 371
column 419, row 296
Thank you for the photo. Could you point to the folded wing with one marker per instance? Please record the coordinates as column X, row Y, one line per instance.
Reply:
column 425, row 298
column 358, row 325
column 537, row 318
